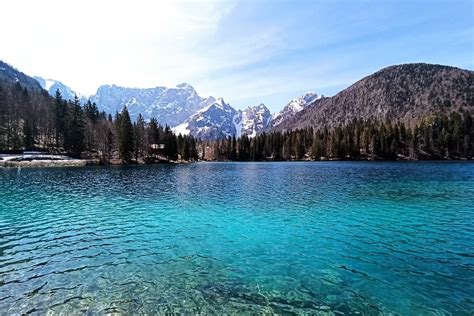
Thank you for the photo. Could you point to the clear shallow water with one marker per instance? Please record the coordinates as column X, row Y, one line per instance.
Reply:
column 373, row 238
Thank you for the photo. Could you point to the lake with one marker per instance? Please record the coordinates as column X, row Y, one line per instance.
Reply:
column 350, row 237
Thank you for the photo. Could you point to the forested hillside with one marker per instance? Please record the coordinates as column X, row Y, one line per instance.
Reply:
column 8, row 74
column 31, row 119
column 406, row 93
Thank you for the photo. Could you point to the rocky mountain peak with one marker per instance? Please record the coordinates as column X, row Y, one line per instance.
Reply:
column 294, row 106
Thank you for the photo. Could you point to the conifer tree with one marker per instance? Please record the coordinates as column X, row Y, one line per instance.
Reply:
column 139, row 135
column 60, row 111
column 28, row 135
column 126, row 138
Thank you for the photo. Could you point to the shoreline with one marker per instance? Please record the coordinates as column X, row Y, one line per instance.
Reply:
column 86, row 162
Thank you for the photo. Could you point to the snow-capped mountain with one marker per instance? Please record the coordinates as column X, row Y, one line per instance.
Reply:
column 293, row 107
column 253, row 120
column 219, row 120
column 185, row 111
column 112, row 99
column 215, row 121
column 52, row 86
column 170, row 106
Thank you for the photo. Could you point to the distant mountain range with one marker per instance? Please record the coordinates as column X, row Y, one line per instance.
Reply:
column 186, row 112
column 183, row 109
column 403, row 93
column 170, row 106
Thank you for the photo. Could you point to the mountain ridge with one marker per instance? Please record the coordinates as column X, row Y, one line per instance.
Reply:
column 406, row 92
column 52, row 86
column 179, row 105
column 10, row 74
column 293, row 107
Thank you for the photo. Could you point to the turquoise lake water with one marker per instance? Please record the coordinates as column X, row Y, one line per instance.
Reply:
column 329, row 237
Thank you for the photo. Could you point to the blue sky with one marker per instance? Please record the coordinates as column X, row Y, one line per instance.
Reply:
column 245, row 51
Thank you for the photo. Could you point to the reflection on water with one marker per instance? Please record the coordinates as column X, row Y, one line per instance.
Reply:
column 370, row 238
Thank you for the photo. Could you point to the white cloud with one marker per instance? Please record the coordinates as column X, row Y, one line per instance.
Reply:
column 138, row 43
column 88, row 43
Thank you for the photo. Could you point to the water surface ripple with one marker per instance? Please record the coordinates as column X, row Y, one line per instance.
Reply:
column 288, row 238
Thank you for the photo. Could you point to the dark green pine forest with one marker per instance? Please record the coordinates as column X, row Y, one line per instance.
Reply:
column 436, row 137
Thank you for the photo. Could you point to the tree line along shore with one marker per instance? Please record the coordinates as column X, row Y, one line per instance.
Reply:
column 34, row 121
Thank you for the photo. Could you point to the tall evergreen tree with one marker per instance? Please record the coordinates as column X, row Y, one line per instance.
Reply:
column 75, row 133
column 29, row 134
column 60, row 112
column 139, row 135
column 126, row 137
